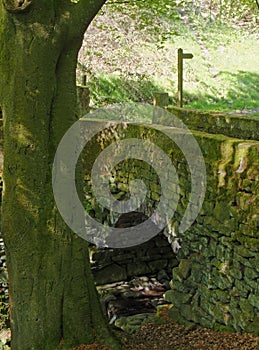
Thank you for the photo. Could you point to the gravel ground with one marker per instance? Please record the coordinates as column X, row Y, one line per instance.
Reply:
column 172, row 336
column 176, row 337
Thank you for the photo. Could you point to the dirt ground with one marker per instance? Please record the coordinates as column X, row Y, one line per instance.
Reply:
column 173, row 336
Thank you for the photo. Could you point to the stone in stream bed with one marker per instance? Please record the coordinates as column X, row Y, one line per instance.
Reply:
column 131, row 324
column 141, row 295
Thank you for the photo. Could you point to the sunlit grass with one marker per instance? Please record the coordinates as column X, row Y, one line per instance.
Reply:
column 223, row 78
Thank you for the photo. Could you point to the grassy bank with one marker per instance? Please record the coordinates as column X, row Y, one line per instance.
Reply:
column 132, row 62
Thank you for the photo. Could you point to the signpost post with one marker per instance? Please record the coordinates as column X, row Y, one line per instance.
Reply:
column 181, row 57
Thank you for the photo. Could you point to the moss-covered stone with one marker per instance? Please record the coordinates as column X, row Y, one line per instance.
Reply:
column 254, row 300
column 251, row 274
column 111, row 273
column 243, row 251
column 253, row 326
column 131, row 324
column 177, row 298
column 218, row 295
column 138, row 269
column 239, row 126
column 247, row 309
column 184, row 268
column 235, row 270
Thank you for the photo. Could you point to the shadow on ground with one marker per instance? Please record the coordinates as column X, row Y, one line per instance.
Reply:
column 243, row 92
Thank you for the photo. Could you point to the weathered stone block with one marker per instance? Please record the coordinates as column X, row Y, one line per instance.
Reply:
column 175, row 314
column 253, row 327
column 243, row 251
column 100, row 256
column 247, row 309
column 136, row 269
column 111, row 273
column 254, row 300
column 184, row 268
column 235, row 270
column 221, row 212
column 196, row 272
column 251, row 274
column 177, row 298
column 218, row 295
column 157, row 265
column 222, row 281
column 251, row 283
column 239, row 320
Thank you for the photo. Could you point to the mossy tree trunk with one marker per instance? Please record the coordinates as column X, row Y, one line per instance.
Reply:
column 52, row 295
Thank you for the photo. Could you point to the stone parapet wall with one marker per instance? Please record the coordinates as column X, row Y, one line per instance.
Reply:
column 234, row 125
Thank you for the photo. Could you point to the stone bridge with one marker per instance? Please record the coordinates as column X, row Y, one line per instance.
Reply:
column 215, row 271
column 214, row 265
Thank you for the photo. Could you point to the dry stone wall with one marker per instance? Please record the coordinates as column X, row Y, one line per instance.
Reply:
column 215, row 280
column 233, row 125
column 154, row 257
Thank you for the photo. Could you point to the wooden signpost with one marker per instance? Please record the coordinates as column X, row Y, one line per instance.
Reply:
column 181, row 57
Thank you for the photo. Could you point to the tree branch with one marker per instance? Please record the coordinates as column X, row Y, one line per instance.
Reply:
column 85, row 10
column 16, row 6
column 72, row 17
column 257, row 2
column 77, row 14
column 118, row 2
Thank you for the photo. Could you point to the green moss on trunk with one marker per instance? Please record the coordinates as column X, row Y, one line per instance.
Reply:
column 52, row 293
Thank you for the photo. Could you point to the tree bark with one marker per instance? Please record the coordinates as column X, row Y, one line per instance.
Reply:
column 53, row 299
